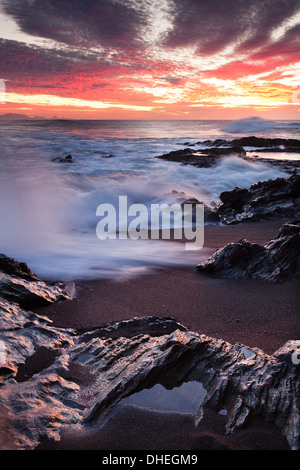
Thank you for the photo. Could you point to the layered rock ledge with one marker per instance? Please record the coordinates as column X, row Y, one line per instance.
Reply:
column 209, row 152
column 53, row 378
column 19, row 284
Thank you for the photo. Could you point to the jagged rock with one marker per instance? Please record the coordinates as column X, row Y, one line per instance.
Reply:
column 275, row 261
column 279, row 144
column 52, row 378
column 30, row 294
column 211, row 215
column 66, row 159
column 202, row 158
column 15, row 268
column 288, row 166
column 277, row 150
column 87, row 376
column 208, row 157
column 263, row 142
column 263, row 200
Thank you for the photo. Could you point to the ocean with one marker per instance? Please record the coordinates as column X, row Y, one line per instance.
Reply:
column 48, row 208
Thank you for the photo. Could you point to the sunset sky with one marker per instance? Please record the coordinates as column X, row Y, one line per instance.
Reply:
column 151, row 59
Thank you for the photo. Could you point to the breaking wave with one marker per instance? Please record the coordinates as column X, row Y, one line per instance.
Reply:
column 48, row 209
column 256, row 124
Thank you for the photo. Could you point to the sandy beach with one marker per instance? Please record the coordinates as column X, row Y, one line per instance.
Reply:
column 251, row 312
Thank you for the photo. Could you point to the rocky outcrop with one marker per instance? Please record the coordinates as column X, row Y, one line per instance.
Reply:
column 271, row 199
column 275, row 261
column 66, row 159
column 15, row 268
column 211, row 216
column 245, row 147
column 51, row 378
column 278, row 198
column 288, row 166
column 279, row 144
column 202, row 158
column 266, row 200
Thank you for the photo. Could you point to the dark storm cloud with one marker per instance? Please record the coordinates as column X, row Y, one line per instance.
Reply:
column 211, row 25
column 78, row 22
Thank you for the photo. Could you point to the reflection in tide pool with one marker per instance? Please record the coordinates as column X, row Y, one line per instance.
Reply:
column 184, row 399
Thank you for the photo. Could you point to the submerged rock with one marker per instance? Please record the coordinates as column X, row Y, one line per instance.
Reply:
column 51, row 378
column 275, row 261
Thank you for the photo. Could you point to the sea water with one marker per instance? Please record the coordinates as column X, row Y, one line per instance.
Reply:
column 48, row 208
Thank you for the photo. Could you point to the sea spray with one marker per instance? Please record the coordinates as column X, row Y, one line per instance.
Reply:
column 48, row 209
column 256, row 125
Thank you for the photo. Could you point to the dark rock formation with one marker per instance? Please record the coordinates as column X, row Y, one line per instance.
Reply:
column 54, row 377
column 275, row 261
column 272, row 199
column 19, row 284
column 211, row 215
column 264, row 200
column 262, row 142
column 15, row 268
column 288, row 166
column 221, row 147
column 202, row 158
column 67, row 159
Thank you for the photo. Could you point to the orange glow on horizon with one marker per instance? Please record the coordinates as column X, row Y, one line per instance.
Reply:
column 159, row 74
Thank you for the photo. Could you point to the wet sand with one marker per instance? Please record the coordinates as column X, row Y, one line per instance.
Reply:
column 133, row 428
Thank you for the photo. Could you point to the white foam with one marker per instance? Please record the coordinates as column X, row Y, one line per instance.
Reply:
column 48, row 210
column 256, row 124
